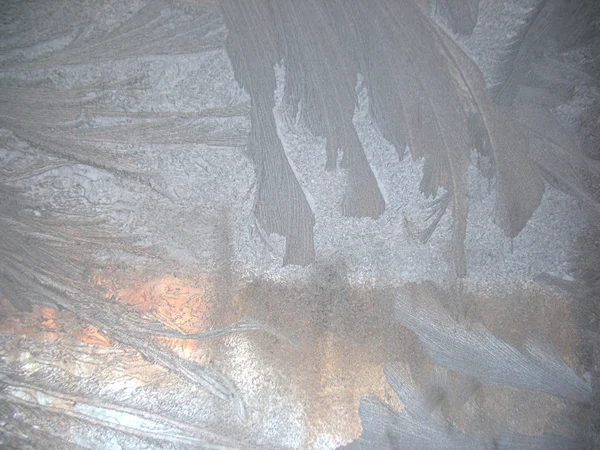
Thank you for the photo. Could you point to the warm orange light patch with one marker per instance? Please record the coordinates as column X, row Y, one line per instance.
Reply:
column 91, row 335
column 182, row 304
column 48, row 316
column 46, row 324
column 332, row 372
column 179, row 303
column 40, row 324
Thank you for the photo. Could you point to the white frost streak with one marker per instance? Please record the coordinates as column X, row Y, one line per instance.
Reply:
column 478, row 353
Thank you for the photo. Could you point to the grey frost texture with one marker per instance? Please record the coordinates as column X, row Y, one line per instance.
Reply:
column 310, row 224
